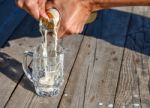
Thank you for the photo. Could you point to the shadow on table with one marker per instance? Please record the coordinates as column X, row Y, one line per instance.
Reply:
column 113, row 26
column 122, row 29
column 119, row 28
column 13, row 70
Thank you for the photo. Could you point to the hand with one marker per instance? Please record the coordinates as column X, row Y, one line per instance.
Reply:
column 74, row 13
column 34, row 7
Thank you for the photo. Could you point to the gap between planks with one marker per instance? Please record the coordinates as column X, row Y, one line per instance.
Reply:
column 137, row 93
column 73, row 43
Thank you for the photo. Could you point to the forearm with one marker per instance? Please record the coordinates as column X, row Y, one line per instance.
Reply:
column 98, row 4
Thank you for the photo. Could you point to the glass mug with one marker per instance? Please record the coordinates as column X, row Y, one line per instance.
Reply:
column 47, row 79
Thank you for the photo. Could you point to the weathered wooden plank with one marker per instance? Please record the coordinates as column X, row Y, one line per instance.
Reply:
column 144, row 76
column 10, row 66
column 127, row 86
column 74, row 93
column 31, row 100
column 103, row 79
column 142, row 65
column 107, row 70
column 10, row 73
column 140, row 9
column 94, row 77
column 88, row 82
column 130, row 84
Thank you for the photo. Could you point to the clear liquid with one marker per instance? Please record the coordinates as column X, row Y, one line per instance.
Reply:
column 50, row 85
column 49, row 79
column 52, row 70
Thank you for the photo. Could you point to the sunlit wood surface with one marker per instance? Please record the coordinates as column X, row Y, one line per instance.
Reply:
column 107, row 67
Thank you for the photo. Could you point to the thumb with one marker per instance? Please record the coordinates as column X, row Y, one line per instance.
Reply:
column 43, row 14
column 42, row 10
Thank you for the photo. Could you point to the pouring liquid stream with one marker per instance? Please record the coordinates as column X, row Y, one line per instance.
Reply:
column 50, row 74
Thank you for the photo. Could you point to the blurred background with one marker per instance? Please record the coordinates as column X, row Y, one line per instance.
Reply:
column 15, row 21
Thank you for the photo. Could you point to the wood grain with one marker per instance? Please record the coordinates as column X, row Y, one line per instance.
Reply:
column 130, row 85
column 73, row 96
column 124, row 96
column 101, row 67
column 102, row 80
column 143, row 59
column 10, row 66
column 31, row 100
column 99, row 72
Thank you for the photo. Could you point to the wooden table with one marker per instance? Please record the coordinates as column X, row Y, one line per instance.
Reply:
column 109, row 67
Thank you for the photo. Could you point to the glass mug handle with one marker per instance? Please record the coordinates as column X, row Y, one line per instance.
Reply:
column 25, row 65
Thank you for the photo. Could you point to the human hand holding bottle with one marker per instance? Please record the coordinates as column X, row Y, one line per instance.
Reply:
column 74, row 13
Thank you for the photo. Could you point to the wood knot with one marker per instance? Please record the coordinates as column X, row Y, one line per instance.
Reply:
column 20, row 44
column 137, row 60
column 115, row 59
column 92, row 99
column 89, row 45
column 102, row 81
column 113, row 52
column 30, row 46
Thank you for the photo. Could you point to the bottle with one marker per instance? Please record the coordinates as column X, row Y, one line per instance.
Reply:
column 50, row 25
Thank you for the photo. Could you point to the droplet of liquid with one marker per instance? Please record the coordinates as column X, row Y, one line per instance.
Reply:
column 136, row 104
column 136, row 96
column 65, row 94
column 100, row 103
column 110, row 106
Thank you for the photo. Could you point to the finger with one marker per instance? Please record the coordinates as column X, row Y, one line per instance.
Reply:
column 29, row 11
column 32, row 8
column 42, row 9
column 43, row 14
column 20, row 3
